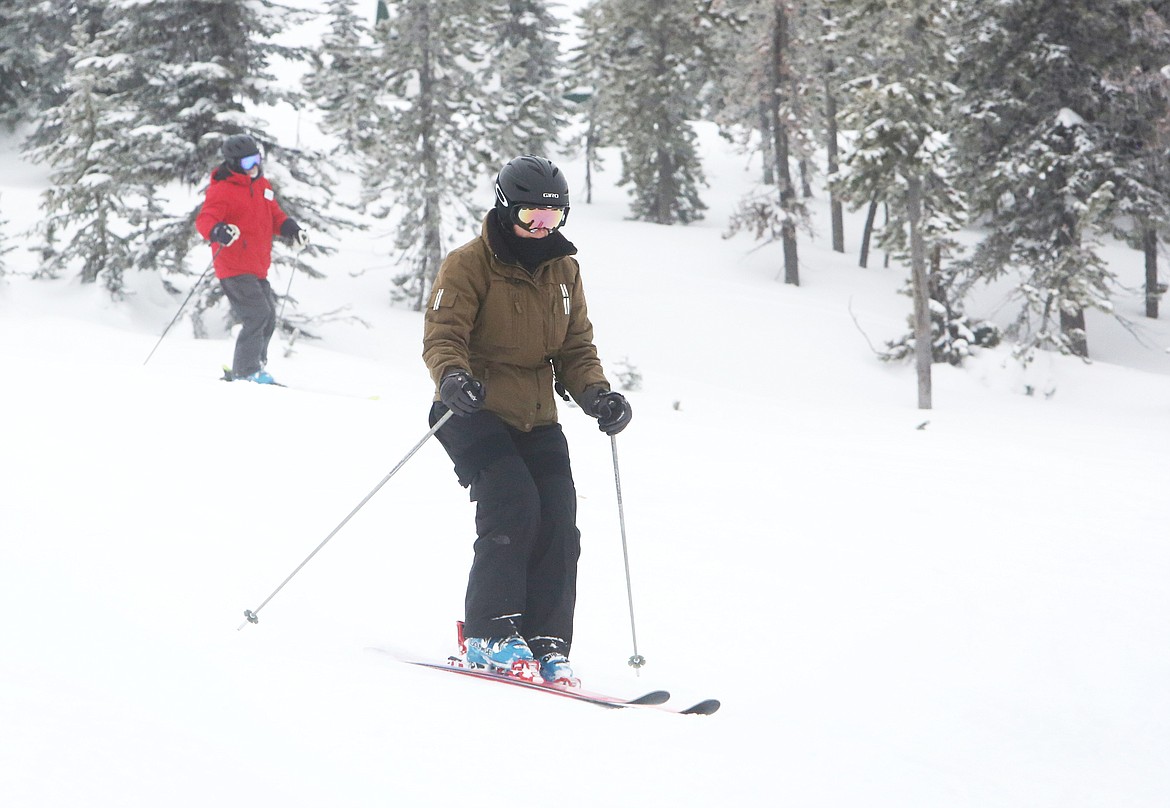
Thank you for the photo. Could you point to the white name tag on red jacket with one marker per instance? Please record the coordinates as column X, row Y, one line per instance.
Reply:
column 269, row 194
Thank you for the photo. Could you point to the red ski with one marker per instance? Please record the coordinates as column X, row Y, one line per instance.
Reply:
column 654, row 699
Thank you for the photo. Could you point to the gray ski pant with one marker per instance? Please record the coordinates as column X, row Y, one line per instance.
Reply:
column 254, row 305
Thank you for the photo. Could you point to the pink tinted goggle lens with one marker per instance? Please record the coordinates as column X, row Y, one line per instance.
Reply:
column 541, row 218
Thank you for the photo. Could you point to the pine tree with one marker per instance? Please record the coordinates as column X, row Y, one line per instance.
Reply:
column 652, row 61
column 1139, row 117
column 900, row 109
column 1041, row 155
column 90, row 199
column 526, row 81
column 831, row 56
column 35, row 46
column 900, row 114
column 177, row 78
column 344, row 63
column 585, row 66
column 421, row 129
column 761, row 92
column 17, row 65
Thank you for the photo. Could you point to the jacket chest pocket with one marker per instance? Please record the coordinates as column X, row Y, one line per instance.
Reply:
column 501, row 321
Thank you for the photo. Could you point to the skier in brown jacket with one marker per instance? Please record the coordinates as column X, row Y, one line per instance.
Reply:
column 505, row 331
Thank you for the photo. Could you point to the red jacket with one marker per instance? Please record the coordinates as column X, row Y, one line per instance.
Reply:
column 249, row 204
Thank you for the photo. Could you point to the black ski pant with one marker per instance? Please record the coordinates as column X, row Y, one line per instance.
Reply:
column 254, row 305
column 524, row 570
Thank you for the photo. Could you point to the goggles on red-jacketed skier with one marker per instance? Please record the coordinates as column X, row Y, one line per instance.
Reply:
column 540, row 218
column 249, row 162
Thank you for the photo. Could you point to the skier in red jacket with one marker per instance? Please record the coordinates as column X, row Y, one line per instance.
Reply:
column 240, row 216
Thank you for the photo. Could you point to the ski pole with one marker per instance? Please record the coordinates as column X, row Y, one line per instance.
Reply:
column 288, row 290
column 637, row 660
column 252, row 615
column 190, row 294
column 283, row 300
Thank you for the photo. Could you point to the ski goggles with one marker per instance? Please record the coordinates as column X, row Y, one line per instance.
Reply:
column 249, row 162
column 540, row 218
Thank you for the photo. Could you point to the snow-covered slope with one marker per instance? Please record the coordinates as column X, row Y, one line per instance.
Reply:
column 960, row 607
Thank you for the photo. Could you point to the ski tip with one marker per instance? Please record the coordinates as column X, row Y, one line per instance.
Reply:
column 703, row 708
column 653, row 697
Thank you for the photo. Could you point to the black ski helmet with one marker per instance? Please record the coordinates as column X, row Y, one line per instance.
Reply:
column 530, row 181
column 237, row 146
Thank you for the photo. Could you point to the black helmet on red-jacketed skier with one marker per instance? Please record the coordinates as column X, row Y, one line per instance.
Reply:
column 237, row 148
column 533, row 182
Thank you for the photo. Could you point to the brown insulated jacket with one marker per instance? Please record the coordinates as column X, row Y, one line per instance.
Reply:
column 509, row 328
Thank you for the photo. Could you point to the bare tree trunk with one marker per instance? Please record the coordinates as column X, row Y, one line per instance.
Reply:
column 780, row 138
column 836, row 211
column 432, row 246
column 805, row 179
column 665, row 186
column 1153, row 289
column 867, row 233
column 665, row 189
column 432, row 250
column 885, row 224
column 588, row 172
column 765, row 147
column 590, row 154
column 1072, row 323
column 923, row 347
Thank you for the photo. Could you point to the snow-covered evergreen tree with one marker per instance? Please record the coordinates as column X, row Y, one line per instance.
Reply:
column 17, row 65
column 35, row 45
column 832, row 58
column 343, row 64
column 422, row 130
column 92, row 195
column 525, row 105
column 585, row 68
column 1042, row 158
column 900, row 112
column 178, row 78
column 1139, row 115
column 762, row 87
column 652, row 60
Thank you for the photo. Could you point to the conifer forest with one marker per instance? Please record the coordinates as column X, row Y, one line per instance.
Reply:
column 1042, row 126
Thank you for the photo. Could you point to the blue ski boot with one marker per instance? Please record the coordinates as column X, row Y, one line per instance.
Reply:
column 555, row 670
column 507, row 655
column 259, row 377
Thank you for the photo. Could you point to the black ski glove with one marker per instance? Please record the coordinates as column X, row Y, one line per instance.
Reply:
column 296, row 234
column 461, row 392
column 612, row 411
column 224, row 233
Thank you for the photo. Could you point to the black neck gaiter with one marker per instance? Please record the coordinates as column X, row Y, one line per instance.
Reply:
column 530, row 253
